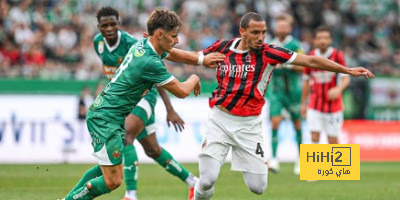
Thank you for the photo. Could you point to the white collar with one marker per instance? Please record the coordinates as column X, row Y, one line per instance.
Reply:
column 232, row 47
column 287, row 39
column 327, row 54
column 115, row 45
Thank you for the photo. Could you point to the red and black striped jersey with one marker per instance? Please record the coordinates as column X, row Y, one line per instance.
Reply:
column 243, row 76
column 321, row 81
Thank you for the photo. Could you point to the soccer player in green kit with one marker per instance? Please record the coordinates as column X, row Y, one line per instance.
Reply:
column 285, row 89
column 111, row 114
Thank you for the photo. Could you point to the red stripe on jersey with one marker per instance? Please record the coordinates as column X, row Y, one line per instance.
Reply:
column 321, row 82
column 240, row 74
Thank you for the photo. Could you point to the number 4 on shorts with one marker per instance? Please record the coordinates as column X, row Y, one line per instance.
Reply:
column 259, row 150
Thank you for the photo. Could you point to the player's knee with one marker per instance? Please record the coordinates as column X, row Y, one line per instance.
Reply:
column 114, row 182
column 153, row 152
column 258, row 188
column 206, row 183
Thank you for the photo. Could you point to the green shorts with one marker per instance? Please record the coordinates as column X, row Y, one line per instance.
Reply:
column 279, row 102
column 107, row 140
column 145, row 111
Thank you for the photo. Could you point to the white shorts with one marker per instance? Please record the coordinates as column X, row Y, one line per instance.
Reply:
column 243, row 134
column 330, row 123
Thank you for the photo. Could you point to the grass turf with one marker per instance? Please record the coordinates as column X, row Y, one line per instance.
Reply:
column 40, row 182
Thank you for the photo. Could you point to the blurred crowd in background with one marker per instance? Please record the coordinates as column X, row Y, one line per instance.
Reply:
column 52, row 39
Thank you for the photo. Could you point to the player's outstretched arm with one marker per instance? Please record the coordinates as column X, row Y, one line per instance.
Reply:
column 326, row 64
column 172, row 116
column 195, row 58
column 182, row 90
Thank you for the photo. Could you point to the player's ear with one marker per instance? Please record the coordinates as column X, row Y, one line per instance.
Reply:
column 158, row 34
column 241, row 31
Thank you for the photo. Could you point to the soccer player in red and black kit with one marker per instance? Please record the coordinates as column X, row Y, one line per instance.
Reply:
column 325, row 107
column 235, row 121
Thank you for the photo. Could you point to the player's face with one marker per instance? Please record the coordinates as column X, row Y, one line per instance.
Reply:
column 168, row 39
column 282, row 28
column 255, row 34
column 323, row 40
column 108, row 26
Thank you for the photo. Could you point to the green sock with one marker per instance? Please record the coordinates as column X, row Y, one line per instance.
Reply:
column 130, row 167
column 172, row 166
column 91, row 189
column 89, row 174
column 274, row 142
column 299, row 138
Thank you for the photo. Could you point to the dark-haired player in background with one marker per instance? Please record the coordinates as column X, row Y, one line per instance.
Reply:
column 325, row 107
column 235, row 121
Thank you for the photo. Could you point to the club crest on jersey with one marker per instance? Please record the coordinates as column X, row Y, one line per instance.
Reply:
column 101, row 46
column 248, row 58
column 120, row 59
column 116, row 154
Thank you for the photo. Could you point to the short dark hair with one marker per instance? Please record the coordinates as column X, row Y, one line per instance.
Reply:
column 164, row 19
column 244, row 22
column 107, row 11
column 322, row 28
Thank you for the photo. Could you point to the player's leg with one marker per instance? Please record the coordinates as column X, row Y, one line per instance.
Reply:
column 166, row 160
column 88, row 175
column 107, row 143
column 209, row 170
column 276, row 118
column 248, row 155
column 334, row 126
column 294, row 110
column 215, row 148
column 315, row 124
column 257, row 183
column 133, row 126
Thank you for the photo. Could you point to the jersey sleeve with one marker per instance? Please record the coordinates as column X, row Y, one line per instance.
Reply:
column 130, row 40
column 215, row 47
column 156, row 72
column 95, row 45
column 279, row 55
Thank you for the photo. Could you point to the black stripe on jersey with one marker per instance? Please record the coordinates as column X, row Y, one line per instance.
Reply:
column 231, row 82
column 243, row 80
column 222, row 46
column 275, row 57
column 257, row 74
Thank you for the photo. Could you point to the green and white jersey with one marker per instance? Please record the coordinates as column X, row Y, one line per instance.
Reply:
column 286, row 81
column 112, row 56
column 140, row 70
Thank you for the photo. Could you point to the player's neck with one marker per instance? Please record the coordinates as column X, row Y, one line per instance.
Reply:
column 323, row 51
column 243, row 46
column 156, row 45
column 282, row 38
column 112, row 42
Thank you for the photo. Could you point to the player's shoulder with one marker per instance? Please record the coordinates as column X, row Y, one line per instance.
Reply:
column 98, row 37
column 128, row 37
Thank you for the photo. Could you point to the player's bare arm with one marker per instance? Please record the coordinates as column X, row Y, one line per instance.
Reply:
column 172, row 115
column 318, row 62
column 335, row 92
column 195, row 58
column 183, row 89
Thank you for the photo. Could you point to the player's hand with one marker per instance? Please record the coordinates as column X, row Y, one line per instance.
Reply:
column 334, row 93
column 361, row 71
column 176, row 120
column 197, row 89
column 303, row 110
column 211, row 60
column 145, row 35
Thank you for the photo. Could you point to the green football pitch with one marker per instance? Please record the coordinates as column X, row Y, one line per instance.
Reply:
column 41, row 182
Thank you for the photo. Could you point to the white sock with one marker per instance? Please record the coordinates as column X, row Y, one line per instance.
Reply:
column 200, row 194
column 191, row 180
column 131, row 194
